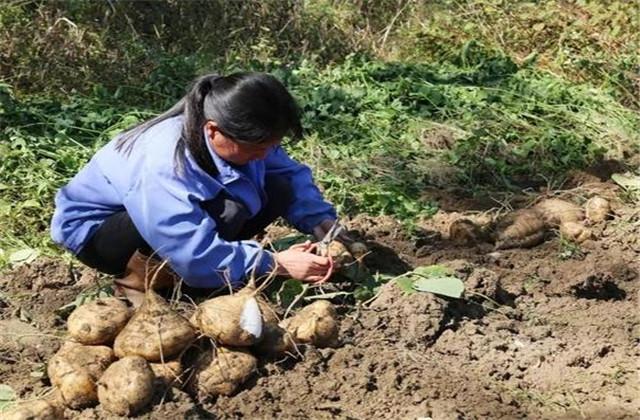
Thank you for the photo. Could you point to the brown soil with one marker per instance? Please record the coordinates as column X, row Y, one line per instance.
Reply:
column 547, row 332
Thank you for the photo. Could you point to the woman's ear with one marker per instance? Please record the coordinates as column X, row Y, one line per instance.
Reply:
column 211, row 127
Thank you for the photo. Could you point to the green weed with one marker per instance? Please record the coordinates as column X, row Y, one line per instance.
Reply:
column 368, row 125
column 469, row 102
column 569, row 250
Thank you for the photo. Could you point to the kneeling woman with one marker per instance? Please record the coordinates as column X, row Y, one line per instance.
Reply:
column 192, row 186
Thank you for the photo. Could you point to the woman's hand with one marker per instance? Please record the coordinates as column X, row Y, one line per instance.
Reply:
column 302, row 265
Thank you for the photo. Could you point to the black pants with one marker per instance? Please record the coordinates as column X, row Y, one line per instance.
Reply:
column 117, row 239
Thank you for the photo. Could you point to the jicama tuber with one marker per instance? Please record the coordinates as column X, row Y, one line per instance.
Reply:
column 340, row 254
column 575, row 232
column 168, row 373
column 220, row 372
column 315, row 324
column 155, row 332
column 232, row 320
column 275, row 341
column 555, row 211
column 519, row 229
column 99, row 321
column 126, row 387
column 597, row 209
column 357, row 249
column 34, row 410
column 74, row 370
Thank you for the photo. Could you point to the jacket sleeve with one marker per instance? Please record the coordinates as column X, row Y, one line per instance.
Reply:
column 169, row 217
column 309, row 207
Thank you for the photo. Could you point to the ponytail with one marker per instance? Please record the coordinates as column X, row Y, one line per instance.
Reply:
column 249, row 108
column 192, row 129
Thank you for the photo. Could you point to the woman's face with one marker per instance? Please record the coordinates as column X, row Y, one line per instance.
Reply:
column 236, row 153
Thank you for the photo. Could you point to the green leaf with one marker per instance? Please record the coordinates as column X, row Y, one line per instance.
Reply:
column 627, row 181
column 30, row 204
column 22, row 256
column 445, row 286
column 432, row 271
column 436, row 279
column 82, row 298
column 287, row 242
column 405, row 284
column 7, row 396
column 289, row 291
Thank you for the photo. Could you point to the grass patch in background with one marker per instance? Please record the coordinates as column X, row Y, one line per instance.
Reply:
column 377, row 134
column 396, row 95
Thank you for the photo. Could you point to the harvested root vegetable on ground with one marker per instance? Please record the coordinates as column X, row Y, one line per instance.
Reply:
column 168, row 373
column 155, row 332
column 126, row 387
column 597, row 209
column 357, row 249
column 556, row 211
column 232, row 320
column 576, row 232
column 220, row 372
column 276, row 341
column 268, row 311
column 99, row 321
column 34, row 410
column 74, row 370
column 519, row 229
column 315, row 324
column 465, row 232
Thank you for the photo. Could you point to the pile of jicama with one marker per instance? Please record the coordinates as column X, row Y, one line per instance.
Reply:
column 119, row 358
column 529, row 227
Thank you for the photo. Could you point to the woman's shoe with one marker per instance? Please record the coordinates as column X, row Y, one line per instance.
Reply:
column 141, row 272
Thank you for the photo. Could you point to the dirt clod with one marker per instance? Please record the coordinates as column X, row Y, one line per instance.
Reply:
column 486, row 283
column 414, row 320
column 465, row 232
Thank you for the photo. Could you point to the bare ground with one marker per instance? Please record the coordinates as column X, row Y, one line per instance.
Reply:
column 547, row 332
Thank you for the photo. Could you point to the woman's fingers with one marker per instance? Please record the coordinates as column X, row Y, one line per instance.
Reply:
column 304, row 265
column 301, row 247
column 318, row 260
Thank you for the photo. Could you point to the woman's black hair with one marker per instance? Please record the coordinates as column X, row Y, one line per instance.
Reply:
column 249, row 108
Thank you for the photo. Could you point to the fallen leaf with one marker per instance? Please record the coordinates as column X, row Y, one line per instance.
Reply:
column 445, row 286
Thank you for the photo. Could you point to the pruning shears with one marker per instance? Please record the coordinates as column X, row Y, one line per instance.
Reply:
column 322, row 247
column 336, row 230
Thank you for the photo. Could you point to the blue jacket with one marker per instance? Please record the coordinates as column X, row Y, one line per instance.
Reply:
column 165, row 205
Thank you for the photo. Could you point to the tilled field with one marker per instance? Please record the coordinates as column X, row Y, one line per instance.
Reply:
column 547, row 332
